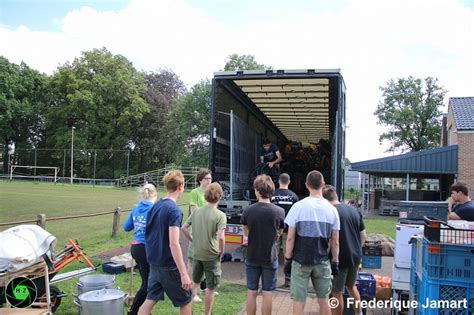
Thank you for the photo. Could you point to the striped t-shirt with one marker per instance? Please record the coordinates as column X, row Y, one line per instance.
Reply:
column 314, row 220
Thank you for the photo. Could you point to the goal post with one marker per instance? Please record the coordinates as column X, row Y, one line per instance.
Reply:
column 31, row 167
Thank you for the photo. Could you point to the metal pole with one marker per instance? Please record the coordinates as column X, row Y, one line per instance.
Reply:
column 128, row 162
column 231, row 154
column 95, row 161
column 64, row 163
column 36, row 155
column 408, row 187
column 72, row 153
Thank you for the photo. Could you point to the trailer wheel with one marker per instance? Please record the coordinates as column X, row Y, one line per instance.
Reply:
column 55, row 298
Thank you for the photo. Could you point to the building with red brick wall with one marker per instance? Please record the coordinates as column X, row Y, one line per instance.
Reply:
column 459, row 129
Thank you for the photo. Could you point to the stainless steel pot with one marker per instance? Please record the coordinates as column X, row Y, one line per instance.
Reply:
column 102, row 302
column 95, row 282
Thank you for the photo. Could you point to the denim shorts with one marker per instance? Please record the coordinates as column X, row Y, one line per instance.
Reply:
column 167, row 280
column 268, row 273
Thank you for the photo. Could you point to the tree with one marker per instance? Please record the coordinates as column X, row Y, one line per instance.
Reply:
column 22, row 104
column 411, row 109
column 243, row 62
column 101, row 95
column 163, row 90
column 187, row 128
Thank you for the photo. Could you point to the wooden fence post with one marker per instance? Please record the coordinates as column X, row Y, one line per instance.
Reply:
column 41, row 220
column 116, row 224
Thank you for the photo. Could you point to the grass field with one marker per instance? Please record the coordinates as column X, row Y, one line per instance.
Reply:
column 25, row 200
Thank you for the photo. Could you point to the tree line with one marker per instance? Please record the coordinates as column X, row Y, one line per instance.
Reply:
column 112, row 106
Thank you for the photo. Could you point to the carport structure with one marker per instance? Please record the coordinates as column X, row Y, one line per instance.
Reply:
column 439, row 163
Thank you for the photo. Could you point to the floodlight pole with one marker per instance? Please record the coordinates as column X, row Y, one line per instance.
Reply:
column 72, row 153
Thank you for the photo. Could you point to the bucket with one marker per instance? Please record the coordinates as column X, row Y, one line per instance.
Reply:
column 95, row 282
column 101, row 302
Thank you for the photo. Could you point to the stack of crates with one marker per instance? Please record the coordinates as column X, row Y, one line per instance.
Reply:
column 372, row 255
column 445, row 271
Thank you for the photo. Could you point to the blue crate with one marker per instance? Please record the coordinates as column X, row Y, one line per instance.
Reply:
column 448, row 261
column 372, row 262
column 445, row 290
column 366, row 285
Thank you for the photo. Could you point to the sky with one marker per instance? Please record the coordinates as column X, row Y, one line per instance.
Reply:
column 370, row 41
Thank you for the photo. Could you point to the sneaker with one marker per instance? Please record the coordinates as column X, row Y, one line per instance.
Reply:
column 197, row 299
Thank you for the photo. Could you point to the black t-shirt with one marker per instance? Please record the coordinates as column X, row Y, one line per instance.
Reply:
column 284, row 198
column 263, row 221
column 465, row 211
column 350, row 247
column 270, row 155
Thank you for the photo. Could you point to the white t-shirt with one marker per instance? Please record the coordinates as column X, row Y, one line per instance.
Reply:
column 314, row 220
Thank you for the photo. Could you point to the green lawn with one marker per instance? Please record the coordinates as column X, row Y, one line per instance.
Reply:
column 382, row 225
column 23, row 200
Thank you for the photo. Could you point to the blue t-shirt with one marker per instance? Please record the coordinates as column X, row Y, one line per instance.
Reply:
column 465, row 211
column 165, row 213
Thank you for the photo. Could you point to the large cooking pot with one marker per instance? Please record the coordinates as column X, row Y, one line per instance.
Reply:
column 102, row 302
column 95, row 282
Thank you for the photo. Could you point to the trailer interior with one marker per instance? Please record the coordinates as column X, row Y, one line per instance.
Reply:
column 301, row 111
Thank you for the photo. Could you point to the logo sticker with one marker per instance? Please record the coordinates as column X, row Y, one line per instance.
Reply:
column 21, row 292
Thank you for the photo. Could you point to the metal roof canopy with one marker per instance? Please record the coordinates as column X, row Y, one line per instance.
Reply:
column 421, row 164
column 297, row 105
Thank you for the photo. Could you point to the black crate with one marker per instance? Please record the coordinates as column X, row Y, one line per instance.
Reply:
column 372, row 249
column 440, row 231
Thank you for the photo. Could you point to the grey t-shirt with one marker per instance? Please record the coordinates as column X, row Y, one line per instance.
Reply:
column 263, row 221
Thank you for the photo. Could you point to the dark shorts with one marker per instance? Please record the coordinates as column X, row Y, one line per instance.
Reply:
column 346, row 277
column 268, row 273
column 167, row 280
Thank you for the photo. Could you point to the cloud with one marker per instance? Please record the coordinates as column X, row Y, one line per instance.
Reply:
column 370, row 41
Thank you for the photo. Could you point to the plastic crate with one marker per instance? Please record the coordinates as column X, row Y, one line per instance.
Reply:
column 448, row 261
column 445, row 290
column 366, row 285
column 372, row 248
column 440, row 231
column 372, row 262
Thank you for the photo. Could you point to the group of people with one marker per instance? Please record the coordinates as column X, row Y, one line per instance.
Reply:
column 320, row 239
column 156, row 247
column 323, row 243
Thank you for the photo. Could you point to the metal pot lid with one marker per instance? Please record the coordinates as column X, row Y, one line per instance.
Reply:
column 101, row 295
column 96, row 280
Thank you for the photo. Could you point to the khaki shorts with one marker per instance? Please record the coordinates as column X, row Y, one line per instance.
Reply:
column 320, row 276
column 211, row 269
column 346, row 277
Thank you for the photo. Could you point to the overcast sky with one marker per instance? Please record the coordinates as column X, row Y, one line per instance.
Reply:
column 371, row 41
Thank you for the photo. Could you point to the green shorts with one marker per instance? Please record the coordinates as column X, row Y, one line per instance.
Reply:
column 211, row 269
column 320, row 276
column 281, row 243
column 346, row 277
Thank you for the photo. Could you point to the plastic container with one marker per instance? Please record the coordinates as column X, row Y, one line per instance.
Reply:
column 445, row 290
column 366, row 284
column 442, row 232
column 372, row 249
column 113, row 268
column 372, row 262
column 448, row 261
